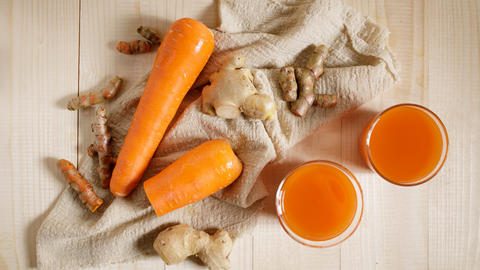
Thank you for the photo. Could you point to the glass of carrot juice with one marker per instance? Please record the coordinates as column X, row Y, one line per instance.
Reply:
column 405, row 144
column 319, row 203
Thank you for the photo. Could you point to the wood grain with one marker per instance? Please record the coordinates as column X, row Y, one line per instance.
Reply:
column 452, row 59
column 39, row 73
column 53, row 50
column 394, row 231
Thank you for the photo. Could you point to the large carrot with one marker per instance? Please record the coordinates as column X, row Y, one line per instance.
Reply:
column 197, row 174
column 181, row 57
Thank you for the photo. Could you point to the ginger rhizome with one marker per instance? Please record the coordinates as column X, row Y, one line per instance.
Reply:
column 149, row 34
column 101, row 145
column 97, row 97
column 178, row 242
column 134, row 47
column 80, row 185
column 232, row 92
column 297, row 84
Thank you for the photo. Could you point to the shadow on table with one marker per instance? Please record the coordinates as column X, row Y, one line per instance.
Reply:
column 145, row 244
column 351, row 124
column 34, row 226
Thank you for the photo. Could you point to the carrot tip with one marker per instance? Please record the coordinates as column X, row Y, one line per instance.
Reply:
column 118, row 194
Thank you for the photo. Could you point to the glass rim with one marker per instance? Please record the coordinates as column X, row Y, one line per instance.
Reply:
column 345, row 234
column 443, row 156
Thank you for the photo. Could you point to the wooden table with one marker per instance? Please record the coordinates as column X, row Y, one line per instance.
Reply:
column 52, row 50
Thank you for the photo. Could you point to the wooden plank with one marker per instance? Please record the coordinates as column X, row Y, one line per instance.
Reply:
column 39, row 71
column 452, row 61
column 394, row 229
column 433, row 226
column 9, row 257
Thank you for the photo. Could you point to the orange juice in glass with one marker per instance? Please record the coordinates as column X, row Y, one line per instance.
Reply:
column 405, row 144
column 319, row 203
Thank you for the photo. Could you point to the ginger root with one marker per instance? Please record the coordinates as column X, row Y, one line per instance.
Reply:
column 149, row 34
column 133, row 47
column 178, row 242
column 300, row 82
column 97, row 97
column 232, row 92
column 80, row 185
column 101, row 145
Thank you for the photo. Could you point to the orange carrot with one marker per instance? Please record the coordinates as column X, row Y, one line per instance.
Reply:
column 181, row 57
column 197, row 174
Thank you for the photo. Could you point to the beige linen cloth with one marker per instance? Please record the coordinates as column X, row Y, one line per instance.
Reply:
column 271, row 34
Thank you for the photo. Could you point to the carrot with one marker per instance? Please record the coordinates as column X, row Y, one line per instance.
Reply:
column 181, row 57
column 197, row 174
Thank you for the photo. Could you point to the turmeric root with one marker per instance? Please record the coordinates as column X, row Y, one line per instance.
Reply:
column 306, row 96
column 178, row 242
column 96, row 97
column 325, row 101
column 101, row 145
column 80, row 185
column 133, row 47
column 149, row 34
column 288, row 83
column 232, row 92
column 316, row 60
column 305, row 78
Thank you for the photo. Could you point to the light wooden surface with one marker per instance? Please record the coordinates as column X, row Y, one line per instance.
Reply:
column 52, row 50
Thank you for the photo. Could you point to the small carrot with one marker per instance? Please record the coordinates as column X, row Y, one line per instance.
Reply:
column 197, row 174
column 181, row 57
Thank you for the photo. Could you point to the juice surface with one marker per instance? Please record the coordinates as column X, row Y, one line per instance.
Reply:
column 405, row 144
column 319, row 202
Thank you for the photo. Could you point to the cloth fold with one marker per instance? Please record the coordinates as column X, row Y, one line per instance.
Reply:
column 270, row 34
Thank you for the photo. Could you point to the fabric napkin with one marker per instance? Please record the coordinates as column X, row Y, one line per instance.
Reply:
column 270, row 34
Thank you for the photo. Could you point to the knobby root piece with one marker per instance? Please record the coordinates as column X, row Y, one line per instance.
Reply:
column 290, row 77
column 96, row 97
column 178, row 242
column 137, row 46
column 288, row 83
column 101, row 145
column 232, row 92
column 306, row 96
column 259, row 106
column 80, row 185
column 149, row 34
column 325, row 101
column 316, row 60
